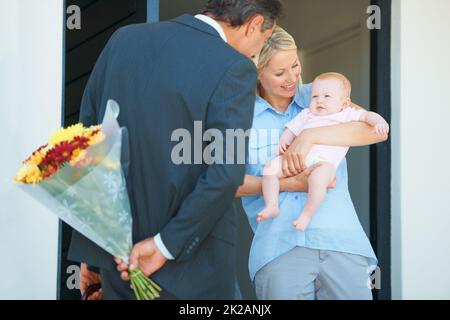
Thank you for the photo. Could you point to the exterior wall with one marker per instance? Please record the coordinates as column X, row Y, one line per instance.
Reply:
column 420, row 211
column 31, row 34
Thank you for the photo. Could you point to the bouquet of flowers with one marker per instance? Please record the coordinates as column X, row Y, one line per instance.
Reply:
column 79, row 176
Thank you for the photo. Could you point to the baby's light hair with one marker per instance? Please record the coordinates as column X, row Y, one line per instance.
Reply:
column 340, row 77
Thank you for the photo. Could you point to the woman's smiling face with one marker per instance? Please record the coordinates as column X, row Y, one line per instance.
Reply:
column 281, row 75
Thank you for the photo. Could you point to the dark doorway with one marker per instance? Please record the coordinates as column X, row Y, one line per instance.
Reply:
column 380, row 154
column 99, row 19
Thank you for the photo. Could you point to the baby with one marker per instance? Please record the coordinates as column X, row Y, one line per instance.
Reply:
column 330, row 105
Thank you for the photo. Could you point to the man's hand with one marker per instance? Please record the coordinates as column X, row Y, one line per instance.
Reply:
column 88, row 278
column 299, row 183
column 146, row 256
column 295, row 156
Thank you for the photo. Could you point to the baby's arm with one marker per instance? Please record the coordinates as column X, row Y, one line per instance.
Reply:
column 380, row 125
column 285, row 141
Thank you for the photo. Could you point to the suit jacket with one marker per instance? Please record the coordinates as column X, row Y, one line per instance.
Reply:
column 165, row 76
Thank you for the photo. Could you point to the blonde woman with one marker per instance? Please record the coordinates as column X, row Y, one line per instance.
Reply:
column 333, row 258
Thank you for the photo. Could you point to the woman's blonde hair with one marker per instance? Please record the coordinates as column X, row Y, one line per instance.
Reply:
column 279, row 41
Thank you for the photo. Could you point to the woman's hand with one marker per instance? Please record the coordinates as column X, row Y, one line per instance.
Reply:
column 294, row 159
column 299, row 183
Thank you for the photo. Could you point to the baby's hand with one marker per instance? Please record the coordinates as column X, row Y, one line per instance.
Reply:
column 282, row 149
column 382, row 128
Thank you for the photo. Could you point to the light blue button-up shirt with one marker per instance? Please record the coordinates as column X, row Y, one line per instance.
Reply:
column 335, row 226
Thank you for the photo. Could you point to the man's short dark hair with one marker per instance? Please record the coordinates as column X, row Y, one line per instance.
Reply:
column 238, row 12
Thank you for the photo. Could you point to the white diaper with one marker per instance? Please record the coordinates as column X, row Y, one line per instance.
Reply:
column 313, row 160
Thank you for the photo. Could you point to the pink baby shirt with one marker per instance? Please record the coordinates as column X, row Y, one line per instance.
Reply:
column 318, row 153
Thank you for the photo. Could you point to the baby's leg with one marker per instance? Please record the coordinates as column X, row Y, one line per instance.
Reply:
column 318, row 181
column 271, row 189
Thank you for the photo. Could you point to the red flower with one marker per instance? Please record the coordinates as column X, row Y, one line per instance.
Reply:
column 80, row 143
column 49, row 171
column 60, row 154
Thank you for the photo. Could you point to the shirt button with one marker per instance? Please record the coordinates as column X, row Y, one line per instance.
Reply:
column 296, row 197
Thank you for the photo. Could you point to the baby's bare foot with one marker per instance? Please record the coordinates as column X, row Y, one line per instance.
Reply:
column 302, row 222
column 268, row 213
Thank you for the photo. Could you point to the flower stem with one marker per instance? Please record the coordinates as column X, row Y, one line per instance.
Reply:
column 144, row 288
column 136, row 292
column 144, row 291
column 147, row 285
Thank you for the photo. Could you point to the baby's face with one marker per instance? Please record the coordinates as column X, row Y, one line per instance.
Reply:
column 328, row 97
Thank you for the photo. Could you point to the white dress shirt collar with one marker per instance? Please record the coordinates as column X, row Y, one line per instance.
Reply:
column 213, row 23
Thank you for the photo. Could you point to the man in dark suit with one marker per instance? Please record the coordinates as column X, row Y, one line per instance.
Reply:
column 167, row 76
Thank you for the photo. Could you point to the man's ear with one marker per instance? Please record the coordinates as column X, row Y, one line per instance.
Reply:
column 254, row 24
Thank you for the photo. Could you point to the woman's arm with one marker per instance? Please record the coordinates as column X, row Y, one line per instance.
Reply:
column 253, row 185
column 352, row 134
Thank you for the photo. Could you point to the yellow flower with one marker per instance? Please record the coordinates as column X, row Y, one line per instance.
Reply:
column 29, row 173
column 77, row 156
column 88, row 132
column 36, row 158
column 94, row 128
column 67, row 134
column 96, row 139
column 21, row 174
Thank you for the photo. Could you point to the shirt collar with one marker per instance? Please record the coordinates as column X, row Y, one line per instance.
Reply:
column 213, row 23
column 262, row 105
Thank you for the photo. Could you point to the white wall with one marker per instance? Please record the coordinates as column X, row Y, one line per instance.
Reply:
column 30, row 109
column 420, row 150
